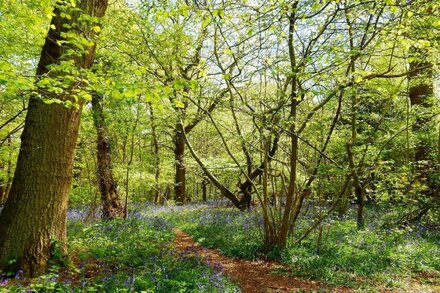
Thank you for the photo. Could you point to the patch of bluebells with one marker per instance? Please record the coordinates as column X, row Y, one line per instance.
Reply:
column 234, row 232
column 138, row 209
column 4, row 280
column 132, row 260
column 155, row 209
column 153, row 222
column 83, row 212
column 16, row 278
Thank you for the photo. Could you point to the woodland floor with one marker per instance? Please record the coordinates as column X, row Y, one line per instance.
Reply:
column 251, row 276
column 149, row 251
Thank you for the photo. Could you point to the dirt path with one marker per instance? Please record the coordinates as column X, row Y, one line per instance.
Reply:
column 250, row 276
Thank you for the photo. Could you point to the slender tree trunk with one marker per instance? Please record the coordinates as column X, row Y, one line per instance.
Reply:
column 180, row 177
column 247, row 190
column 155, row 142
column 205, row 182
column 111, row 203
column 421, row 91
column 343, row 203
column 34, row 217
column 130, row 160
column 290, row 196
column 156, row 170
column 359, row 188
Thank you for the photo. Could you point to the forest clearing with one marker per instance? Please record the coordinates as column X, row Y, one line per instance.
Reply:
column 219, row 146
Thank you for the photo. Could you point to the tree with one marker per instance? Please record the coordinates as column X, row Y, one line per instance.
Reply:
column 33, row 222
column 172, row 37
column 158, row 199
column 422, row 100
column 111, row 204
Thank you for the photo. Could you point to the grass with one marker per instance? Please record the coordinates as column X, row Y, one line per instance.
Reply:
column 376, row 256
column 137, row 254
column 134, row 255
column 231, row 231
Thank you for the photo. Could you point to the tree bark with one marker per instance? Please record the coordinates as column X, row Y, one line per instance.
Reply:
column 34, row 216
column 179, row 147
column 205, row 182
column 420, row 93
column 111, row 203
column 179, row 152
column 222, row 188
column 359, row 188
column 155, row 142
column 294, row 145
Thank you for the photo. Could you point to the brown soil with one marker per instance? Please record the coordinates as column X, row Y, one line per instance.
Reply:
column 251, row 276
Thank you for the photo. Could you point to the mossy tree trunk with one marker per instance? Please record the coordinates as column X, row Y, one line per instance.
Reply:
column 34, row 216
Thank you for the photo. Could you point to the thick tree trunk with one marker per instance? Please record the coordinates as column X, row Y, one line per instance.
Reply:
column 34, row 217
column 180, row 177
column 111, row 203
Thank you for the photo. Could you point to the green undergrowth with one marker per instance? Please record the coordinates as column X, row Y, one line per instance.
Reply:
column 378, row 255
column 134, row 255
column 233, row 232
column 369, row 257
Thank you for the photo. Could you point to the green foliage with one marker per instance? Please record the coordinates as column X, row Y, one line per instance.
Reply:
column 175, row 59
column 57, row 257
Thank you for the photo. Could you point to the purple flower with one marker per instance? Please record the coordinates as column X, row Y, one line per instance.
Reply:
column 18, row 274
column 129, row 282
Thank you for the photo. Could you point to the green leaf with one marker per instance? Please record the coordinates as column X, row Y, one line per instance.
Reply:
column 179, row 104
column 96, row 28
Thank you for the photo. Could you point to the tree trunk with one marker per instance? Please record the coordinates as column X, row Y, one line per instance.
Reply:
column 111, row 203
column 359, row 188
column 205, row 182
column 420, row 93
column 294, row 145
column 179, row 151
column 34, row 217
column 343, row 202
column 155, row 142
